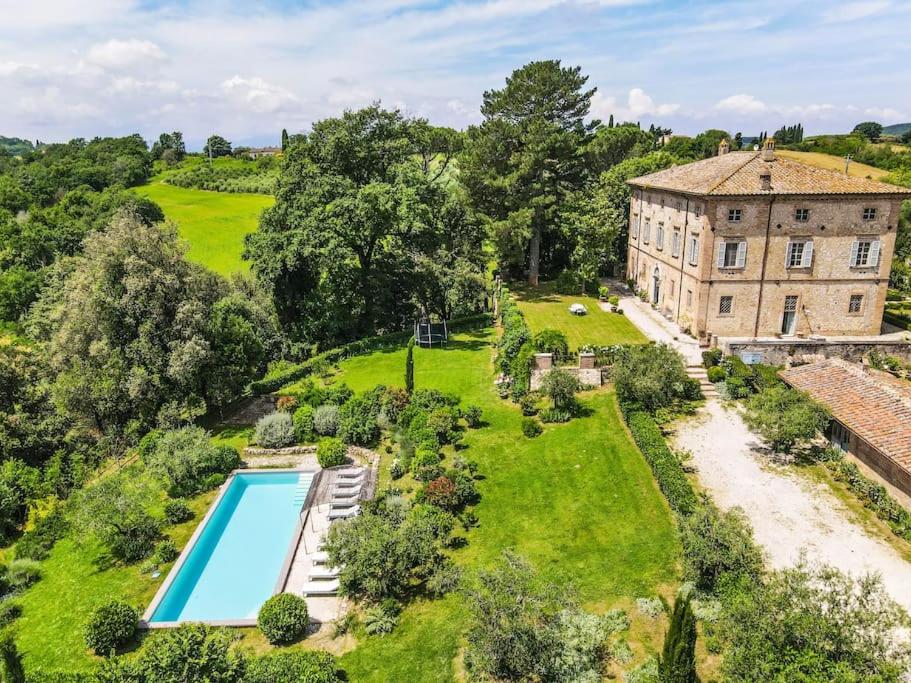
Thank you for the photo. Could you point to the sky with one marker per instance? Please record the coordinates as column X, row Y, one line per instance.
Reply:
column 246, row 69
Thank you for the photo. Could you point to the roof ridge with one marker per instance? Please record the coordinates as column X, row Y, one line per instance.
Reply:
column 752, row 156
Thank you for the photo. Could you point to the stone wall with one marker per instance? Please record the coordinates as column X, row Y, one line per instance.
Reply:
column 789, row 351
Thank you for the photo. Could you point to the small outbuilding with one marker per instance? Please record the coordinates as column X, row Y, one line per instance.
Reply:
column 871, row 413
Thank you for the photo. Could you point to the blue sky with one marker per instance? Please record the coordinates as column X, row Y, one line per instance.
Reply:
column 247, row 69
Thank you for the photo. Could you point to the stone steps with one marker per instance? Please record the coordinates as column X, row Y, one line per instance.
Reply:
column 699, row 373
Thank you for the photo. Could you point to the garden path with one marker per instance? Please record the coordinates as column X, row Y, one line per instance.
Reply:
column 789, row 514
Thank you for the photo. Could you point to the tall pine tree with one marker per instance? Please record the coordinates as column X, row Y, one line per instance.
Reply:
column 678, row 658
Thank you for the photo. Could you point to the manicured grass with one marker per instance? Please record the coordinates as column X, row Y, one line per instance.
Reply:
column 543, row 308
column 214, row 223
column 579, row 502
column 833, row 163
column 76, row 578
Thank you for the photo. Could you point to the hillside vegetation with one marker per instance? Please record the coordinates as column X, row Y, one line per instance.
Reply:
column 834, row 163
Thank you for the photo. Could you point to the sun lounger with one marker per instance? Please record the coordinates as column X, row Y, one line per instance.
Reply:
column 321, row 587
column 323, row 573
column 350, row 474
column 319, row 557
column 348, row 483
column 344, row 513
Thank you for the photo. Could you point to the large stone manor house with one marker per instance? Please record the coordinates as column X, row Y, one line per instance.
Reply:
column 753, row 245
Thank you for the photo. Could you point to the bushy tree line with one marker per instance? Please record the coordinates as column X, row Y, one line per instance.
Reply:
column 259, row 176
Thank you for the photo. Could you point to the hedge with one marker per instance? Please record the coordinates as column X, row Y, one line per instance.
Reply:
column 515, row 350
column 897, row 320
column 271, row 383
column 667, row 469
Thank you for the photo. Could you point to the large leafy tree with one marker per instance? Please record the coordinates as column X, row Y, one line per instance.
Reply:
column 526, row 158
column 360, row 229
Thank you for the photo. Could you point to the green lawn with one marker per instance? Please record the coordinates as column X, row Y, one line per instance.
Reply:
column 579, row 501
column 214, row 223
column 543, row 308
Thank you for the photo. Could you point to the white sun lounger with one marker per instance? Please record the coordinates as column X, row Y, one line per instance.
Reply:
column 319, row 557
column 344, row 513
column 323, row 573
column 348, row 484
column 321, row 587
column 350, row 474
column 336, row 503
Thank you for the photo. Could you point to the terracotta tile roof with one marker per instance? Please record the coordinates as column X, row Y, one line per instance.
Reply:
column 737, row 173
column 873, row 405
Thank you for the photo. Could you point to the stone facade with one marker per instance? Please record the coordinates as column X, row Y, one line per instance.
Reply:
column 768, row 263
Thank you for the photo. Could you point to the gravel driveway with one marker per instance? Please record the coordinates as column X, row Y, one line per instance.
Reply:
column 788, row 513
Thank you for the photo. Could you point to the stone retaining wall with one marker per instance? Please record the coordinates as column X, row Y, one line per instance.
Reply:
column 790, row 351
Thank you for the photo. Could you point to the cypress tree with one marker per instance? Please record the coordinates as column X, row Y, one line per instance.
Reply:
column 284, row 139
column 409, row 367
column 678, row 658
column 610, row 121
column 11, row 670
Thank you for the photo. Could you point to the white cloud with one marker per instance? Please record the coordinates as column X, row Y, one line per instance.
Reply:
column 257, row 95
column 853, row 11
column 741, row 104
column 123, row 54
column 638, row 104
column 887, row 114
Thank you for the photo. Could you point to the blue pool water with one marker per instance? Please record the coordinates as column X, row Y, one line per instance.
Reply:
column 234, row 564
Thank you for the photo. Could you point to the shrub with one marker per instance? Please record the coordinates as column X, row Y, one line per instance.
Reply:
column 716, row 374
column 307, row 666
column 442, row 493
column 736, row 387
column 553, row 415
column 614, row 300
column 785, row 418
column 110, row 627
column 473, row 416
column 331, row 452
column 286, row 404
column 425, row 464
column 22, row 573
column 653, row 377
column 528, row 404
column 302, row 421
column 185, row 458
column 325, row 419
column 165, row 552
column 396, row 469
column 283, row 618
column 9, row 612
column 711, row 358
column 177, row 512
column 148, row 443
column 551, row 341
column 603, row 292
column 381, row 619
column 667, row 469
column 36, row 543
column 275, row 430
column 135, row 538
column 444, row 423
column 561, row 387
column 357, row 419
column 531, row 427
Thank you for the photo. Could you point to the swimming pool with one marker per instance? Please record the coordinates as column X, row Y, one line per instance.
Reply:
column 232, row 564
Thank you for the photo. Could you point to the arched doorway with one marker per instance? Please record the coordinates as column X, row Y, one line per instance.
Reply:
column 656, row 286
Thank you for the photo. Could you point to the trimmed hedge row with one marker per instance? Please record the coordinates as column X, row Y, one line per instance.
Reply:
column 897, row 320
column 515, row 350
column 274, row 382
column 667, row 469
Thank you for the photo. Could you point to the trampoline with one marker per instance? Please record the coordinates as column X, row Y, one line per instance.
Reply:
column 427, row 333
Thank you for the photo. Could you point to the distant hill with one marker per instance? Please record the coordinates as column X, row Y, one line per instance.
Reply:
column 16, row 146
column 896, row 129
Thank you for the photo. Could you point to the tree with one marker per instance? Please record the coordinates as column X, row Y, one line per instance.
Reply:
column 869, row 129
column 706, row 144
column 525, row 159
column 814, row 623
column 906, row 137
column 11, row 670
column 409, row 367
column 437, row 146
column 169, row 142
column 719, row 545
column 217, row 146
column 285, row 139
column 610, row 146
column 561, row 387
column 785, row 418
column 738, row 141
column 359, row 232
column 653, row 377
column 678, row 657
column 115, row 511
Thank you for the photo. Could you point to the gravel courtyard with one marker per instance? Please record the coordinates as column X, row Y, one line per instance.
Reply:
column 788, row 514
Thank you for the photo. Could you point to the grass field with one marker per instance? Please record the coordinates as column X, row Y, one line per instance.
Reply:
column 833, row 163
column 213, row 223
column 545, row 308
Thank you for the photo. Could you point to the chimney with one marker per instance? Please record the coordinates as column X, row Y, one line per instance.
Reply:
column 768, row 150
column 724, row 147
column 765, row 179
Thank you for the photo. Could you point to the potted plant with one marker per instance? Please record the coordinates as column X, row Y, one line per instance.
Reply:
column 603, row 293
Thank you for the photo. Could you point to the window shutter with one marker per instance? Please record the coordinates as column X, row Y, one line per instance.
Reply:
column 719, row 256
column 787, row 255
column 741, row 254
column 854, row 249
column 807, row 254
column 874, row 253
